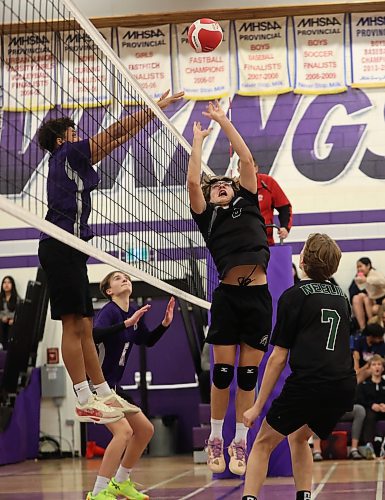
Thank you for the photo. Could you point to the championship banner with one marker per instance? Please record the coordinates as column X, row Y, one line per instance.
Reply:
column 368, row 49
column 205, row 75
column 262, row 57
column 146, row 52
column 85, row 72
column 319, row 54
column 29, row 72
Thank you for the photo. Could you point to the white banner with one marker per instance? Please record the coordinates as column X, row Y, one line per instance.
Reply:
column 262, row 57
column 29, row 79
column 146, row 52
column 368, row 49
column 320, row 54
column 206, row 75
column 86, row 74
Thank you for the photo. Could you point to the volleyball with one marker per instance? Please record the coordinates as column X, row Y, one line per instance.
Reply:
column 204, row 35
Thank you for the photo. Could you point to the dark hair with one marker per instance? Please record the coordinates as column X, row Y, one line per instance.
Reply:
column 11, row 304
column 105, row 283
column 207, row 182
column 373, row 330
column 52, row 130
column 321, row 256
column 365, row 261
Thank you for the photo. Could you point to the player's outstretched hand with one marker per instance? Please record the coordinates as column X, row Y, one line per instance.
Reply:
column 250, row 416
column 132, row 320
column 214, row 111
column 169, row 314
column 199, row 133
column 165, row 100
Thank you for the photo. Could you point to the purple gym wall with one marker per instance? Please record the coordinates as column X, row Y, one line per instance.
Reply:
column 324, row 150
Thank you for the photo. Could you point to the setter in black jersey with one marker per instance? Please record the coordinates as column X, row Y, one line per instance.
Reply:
column 313, row 325
column 228, row 216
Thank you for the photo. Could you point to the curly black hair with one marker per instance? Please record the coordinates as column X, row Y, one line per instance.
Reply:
column 52, row 130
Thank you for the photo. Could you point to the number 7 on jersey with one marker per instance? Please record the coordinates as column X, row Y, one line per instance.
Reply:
column 331, row 316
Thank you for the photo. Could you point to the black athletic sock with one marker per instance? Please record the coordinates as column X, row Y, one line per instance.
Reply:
column 303, row 495
column 249, row 497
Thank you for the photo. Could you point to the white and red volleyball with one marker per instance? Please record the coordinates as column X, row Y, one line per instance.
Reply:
column 204, row 35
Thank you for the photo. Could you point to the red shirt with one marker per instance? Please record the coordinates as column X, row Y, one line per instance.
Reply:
column 270, row 197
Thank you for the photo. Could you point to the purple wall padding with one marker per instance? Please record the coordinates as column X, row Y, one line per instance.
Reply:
column 280, row 277
column 20, row 440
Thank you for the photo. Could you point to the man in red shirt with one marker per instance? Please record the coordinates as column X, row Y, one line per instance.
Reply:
column 270, row 197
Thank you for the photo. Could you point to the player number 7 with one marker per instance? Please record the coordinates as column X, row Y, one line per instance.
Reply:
column 331, row 316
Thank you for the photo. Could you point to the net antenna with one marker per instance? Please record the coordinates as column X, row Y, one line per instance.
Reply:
column 55, row 63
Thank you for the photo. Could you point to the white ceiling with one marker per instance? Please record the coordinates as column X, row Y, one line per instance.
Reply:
column 101, row 8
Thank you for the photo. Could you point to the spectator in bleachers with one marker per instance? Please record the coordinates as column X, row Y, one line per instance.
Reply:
column 357, row 417
column 371, row 394
column 367, row 291
column 380, row 316
column 8, row 302
column 371, row 342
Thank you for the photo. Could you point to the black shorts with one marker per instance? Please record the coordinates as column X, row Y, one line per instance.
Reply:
column 68, row 285
column 320, row 406
column 241, row 314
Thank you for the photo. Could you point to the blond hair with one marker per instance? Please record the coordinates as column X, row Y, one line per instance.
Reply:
column 375, row 358
column 321, row 256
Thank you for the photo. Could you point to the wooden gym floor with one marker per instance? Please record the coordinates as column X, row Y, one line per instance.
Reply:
column 177, row 478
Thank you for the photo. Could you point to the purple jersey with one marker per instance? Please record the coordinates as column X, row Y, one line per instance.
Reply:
column 71, row 179
column 115, row 348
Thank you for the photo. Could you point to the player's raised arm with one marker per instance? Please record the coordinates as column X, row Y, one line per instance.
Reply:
column 197, row 200
column 247, row 170
column 121, row 131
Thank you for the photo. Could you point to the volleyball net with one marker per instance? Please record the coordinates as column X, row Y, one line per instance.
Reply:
column 56, row 64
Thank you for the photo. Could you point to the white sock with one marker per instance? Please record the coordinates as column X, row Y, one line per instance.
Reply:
column 216, row 429
column 83, row 392
column 122, row 474
column 103, row 389
column 240, row 432
column 101, row 483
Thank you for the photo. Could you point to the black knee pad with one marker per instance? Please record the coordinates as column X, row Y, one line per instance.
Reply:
column 223, row 375
column 247, row 377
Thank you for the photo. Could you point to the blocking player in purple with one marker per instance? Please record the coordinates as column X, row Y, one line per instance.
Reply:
column 71, row 179
column 117, row 327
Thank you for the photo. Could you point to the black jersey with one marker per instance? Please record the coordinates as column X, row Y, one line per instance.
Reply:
column 313, row 322
column 235, row 235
